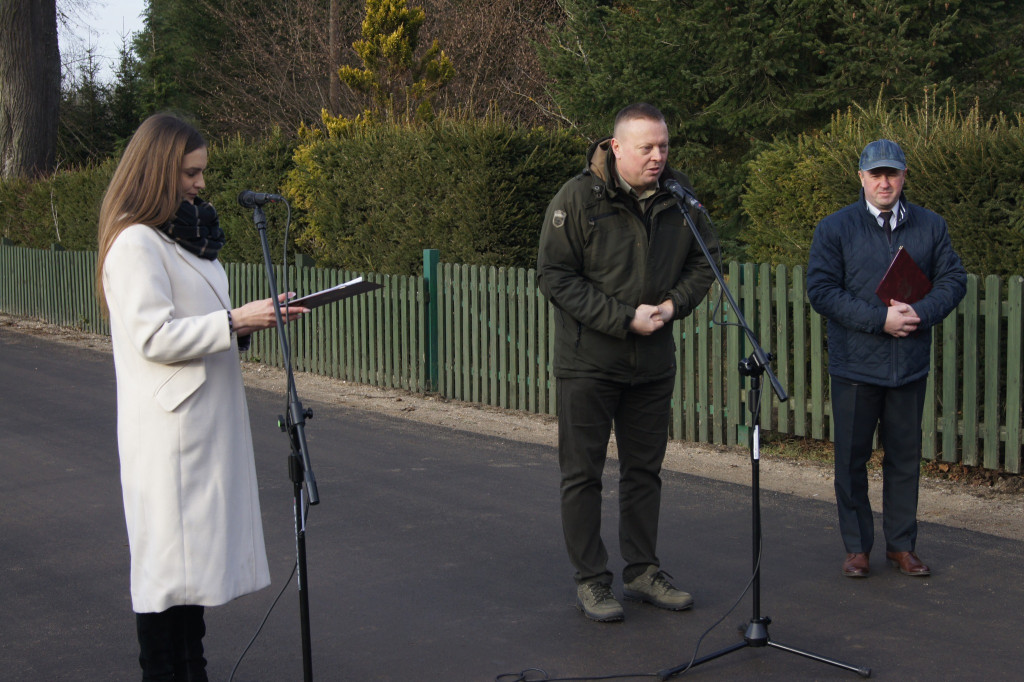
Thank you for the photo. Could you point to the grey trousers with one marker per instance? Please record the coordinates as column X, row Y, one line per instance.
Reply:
column 587, row 411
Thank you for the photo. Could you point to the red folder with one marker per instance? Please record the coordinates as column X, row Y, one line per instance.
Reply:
column 903, row 281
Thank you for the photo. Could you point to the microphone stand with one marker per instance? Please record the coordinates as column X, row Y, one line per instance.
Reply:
column 299, row 468
column 756, row 634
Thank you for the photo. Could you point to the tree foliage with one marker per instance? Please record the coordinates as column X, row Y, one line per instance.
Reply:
column 272, row 66
column 97, row 118
column 732, row 76
column 176, row 41
column 400, row 84
column 492, row 45
column 127, row 107
column 84, row 132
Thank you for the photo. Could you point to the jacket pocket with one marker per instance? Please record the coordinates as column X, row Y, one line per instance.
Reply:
column 183, row 381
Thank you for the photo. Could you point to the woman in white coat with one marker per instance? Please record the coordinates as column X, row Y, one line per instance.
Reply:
column 187, row 472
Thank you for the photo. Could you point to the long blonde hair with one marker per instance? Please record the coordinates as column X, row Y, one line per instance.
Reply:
column 146, row 186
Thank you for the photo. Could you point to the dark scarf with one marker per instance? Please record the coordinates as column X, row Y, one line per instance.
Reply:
column 197, row 229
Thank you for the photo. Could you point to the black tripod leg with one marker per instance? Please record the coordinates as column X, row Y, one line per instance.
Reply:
column 672, row 672
column 863, row 672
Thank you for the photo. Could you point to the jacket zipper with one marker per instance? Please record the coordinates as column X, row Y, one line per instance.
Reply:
column 894, row 363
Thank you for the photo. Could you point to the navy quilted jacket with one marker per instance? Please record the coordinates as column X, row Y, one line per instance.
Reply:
column 849, row 255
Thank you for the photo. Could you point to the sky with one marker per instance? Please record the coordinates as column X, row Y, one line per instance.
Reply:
column 101, row 23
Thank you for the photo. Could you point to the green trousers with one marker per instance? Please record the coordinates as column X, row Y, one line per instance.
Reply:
column 588, row 409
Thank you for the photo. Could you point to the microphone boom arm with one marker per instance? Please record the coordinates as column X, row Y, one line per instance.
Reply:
column 759, row 360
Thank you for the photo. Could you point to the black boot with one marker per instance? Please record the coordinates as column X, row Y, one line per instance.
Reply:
column 190, row 665
column 156, row 646
column 171, row 645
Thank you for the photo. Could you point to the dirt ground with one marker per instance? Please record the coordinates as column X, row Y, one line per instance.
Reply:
column 954, row 496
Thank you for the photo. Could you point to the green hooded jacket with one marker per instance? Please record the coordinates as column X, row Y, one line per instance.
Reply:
column 600, row 257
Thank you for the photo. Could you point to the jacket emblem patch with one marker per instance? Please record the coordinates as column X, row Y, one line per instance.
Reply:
column 558, row 219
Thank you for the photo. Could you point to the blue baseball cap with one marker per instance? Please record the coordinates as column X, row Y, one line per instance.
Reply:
column 882, row 154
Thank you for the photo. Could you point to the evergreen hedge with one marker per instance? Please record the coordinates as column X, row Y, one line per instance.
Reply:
column 64, row 208
column 376, row 194
column 968, row 170
column 373, row 195
column 261, row 166
column 367, row 196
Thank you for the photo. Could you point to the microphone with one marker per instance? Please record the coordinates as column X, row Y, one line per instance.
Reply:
column 684, row 195
column 249, row 199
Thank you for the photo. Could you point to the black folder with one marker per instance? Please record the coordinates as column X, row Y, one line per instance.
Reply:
column 350, row 288
column 903, row 281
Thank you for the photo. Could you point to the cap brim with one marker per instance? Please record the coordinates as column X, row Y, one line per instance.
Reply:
column 885, row 163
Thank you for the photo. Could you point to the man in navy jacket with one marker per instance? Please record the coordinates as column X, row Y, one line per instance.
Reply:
column 879, row 352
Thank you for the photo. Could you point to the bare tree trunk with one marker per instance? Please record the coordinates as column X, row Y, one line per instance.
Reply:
column 29, row 87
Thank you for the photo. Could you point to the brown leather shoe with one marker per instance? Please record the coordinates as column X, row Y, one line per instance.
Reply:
column 908, row 563
column 857, row 565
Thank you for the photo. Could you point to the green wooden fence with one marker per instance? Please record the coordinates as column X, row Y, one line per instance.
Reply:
column 485, row 336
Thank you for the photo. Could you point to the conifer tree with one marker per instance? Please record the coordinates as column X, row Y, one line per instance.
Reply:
column 399, row 85
column 126, row 105
column 84, row 133
column 177, row 38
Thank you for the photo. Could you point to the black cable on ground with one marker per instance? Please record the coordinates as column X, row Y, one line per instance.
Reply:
column 263, row 622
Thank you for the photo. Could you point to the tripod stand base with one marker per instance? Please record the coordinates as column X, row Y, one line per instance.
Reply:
column 756, row 635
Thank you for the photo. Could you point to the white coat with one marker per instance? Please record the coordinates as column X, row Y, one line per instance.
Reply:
column 187, row 471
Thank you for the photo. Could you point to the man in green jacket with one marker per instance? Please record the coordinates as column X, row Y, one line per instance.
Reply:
column 620, row 264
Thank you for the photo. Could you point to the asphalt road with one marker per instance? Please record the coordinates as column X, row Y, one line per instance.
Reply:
column 436, row 554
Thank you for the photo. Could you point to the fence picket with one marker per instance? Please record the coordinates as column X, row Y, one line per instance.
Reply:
column 688, row 404
column 522, row 329
column 465, row 346
column 719, row 412
column 928, row 422
column 971, row 308
column 703, row 394
column 1014, row 370
column 801, row 354
column 948, row 373
column 818, row 369
column 504, row 296
column 782, row 343
column 532, row 381
column 993, row 369
column 445, row 309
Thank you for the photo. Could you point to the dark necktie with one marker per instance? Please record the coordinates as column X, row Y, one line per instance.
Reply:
column 886, row 216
